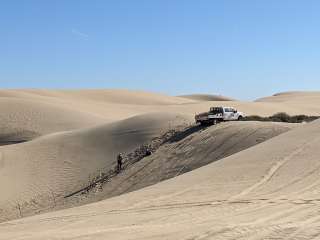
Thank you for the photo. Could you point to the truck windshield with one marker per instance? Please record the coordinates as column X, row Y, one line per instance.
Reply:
column 216, row 110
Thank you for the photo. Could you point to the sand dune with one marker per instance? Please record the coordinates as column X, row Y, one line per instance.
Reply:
column 52, row 166
column 109, row 105
column 264, row 191
column 20, row 117
column 117, row 96
column 189, row 150
column 206, row 97
column 298, row 96
column 62, row 162
column 85, row 108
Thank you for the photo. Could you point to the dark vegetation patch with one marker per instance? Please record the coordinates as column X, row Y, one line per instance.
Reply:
column 282, row 117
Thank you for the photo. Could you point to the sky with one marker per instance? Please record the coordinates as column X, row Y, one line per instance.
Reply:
column 244, row 49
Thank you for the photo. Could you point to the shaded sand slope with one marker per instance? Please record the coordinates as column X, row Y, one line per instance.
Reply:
column 270, row 191
column 206, row 97
column 59, row 163
column 189, row 150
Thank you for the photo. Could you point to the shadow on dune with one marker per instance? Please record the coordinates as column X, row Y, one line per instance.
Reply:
column 17, row 137
column 185, row 133
column 5, row 142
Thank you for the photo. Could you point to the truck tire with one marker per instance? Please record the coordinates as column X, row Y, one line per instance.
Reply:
column 240, row 118
column 203, row 124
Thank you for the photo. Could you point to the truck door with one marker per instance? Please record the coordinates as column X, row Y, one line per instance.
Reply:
column 226, row 114
column 233, row 114
column 229, row 114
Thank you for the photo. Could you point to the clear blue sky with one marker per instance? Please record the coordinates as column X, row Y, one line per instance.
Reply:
column 243, row 49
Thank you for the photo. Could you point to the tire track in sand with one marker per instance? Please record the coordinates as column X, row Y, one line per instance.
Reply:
column 272, row 171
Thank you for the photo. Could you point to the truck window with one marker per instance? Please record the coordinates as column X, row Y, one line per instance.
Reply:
column 216, row 110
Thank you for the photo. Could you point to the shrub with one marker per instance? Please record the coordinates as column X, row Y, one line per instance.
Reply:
column 255, row 118
column 282, row 117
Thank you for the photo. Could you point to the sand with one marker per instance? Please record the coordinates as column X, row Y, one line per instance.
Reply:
column 41, row 171
column 193, row 148
column 242, row 180
column 296, row 97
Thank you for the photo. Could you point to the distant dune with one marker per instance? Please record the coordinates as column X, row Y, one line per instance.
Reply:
column 118, row 96
column 37, row 117
column 206, row 97
column 297, row 96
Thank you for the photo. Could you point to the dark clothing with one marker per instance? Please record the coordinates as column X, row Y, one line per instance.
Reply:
column 148, row 153
column 119, row 163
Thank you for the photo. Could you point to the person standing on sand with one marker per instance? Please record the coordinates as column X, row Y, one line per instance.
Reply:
column 119, row 160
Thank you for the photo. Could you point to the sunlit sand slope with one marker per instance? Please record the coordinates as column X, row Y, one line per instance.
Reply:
column 20, row 117
column 299, row 96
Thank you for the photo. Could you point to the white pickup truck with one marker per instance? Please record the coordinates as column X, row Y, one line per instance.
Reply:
column 218, row 114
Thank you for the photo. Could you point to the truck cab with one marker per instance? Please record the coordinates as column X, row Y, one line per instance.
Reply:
column 231, row 114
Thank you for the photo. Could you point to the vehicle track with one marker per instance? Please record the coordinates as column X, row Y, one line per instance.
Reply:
column 271, row 172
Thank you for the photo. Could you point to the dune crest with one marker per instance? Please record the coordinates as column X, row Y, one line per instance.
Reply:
column 301, row 97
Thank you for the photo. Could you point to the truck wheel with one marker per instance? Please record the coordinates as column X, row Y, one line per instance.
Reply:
column 240, row 118
column 203, row 123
